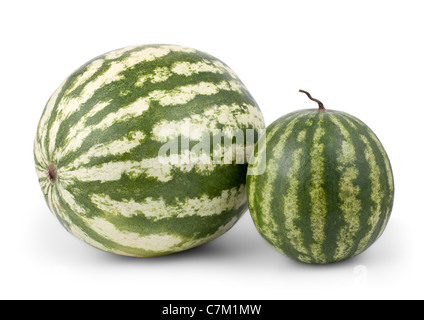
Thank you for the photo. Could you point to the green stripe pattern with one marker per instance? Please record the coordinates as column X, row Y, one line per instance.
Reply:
column 103, row 130
column 327, row 191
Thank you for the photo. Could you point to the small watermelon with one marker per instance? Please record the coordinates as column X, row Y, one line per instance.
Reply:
column 101, row 150
column 327, row 189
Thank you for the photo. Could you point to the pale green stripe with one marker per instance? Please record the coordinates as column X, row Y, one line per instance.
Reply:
column 385, row 222
column 352, row 119
column 269, row 227
column 113, row 148
column 348, row 194
column 376, row 194
column 255, row 168
column 317, row 193
column 111, row 232
column 40, row 156
column 90, row 70
column 158, row 209
column 41, row 149
column 69, row 198
column 386, row 161
column 80, row 131
column 68, row 106
column 252, row 173
column 301, row 136
column 291, row 207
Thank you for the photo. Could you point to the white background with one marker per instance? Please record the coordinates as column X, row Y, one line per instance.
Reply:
column 362, row 57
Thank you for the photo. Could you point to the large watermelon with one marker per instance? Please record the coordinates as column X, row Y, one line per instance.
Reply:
column 327, row 190
column 101, row 150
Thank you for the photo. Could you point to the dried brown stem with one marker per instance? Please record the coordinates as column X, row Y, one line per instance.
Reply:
column 320, row 104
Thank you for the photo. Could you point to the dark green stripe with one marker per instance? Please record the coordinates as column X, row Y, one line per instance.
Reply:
column 260, row 181
column 51, row 119
column 334, row 219
column 146, row 122
column 387, row 200
column 132, row 75
column 281, row 184
column 305, row 174
column 305, row 204
column 362, row 180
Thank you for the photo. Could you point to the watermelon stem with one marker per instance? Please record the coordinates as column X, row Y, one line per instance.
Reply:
column 52, row 173
column 320, row 104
